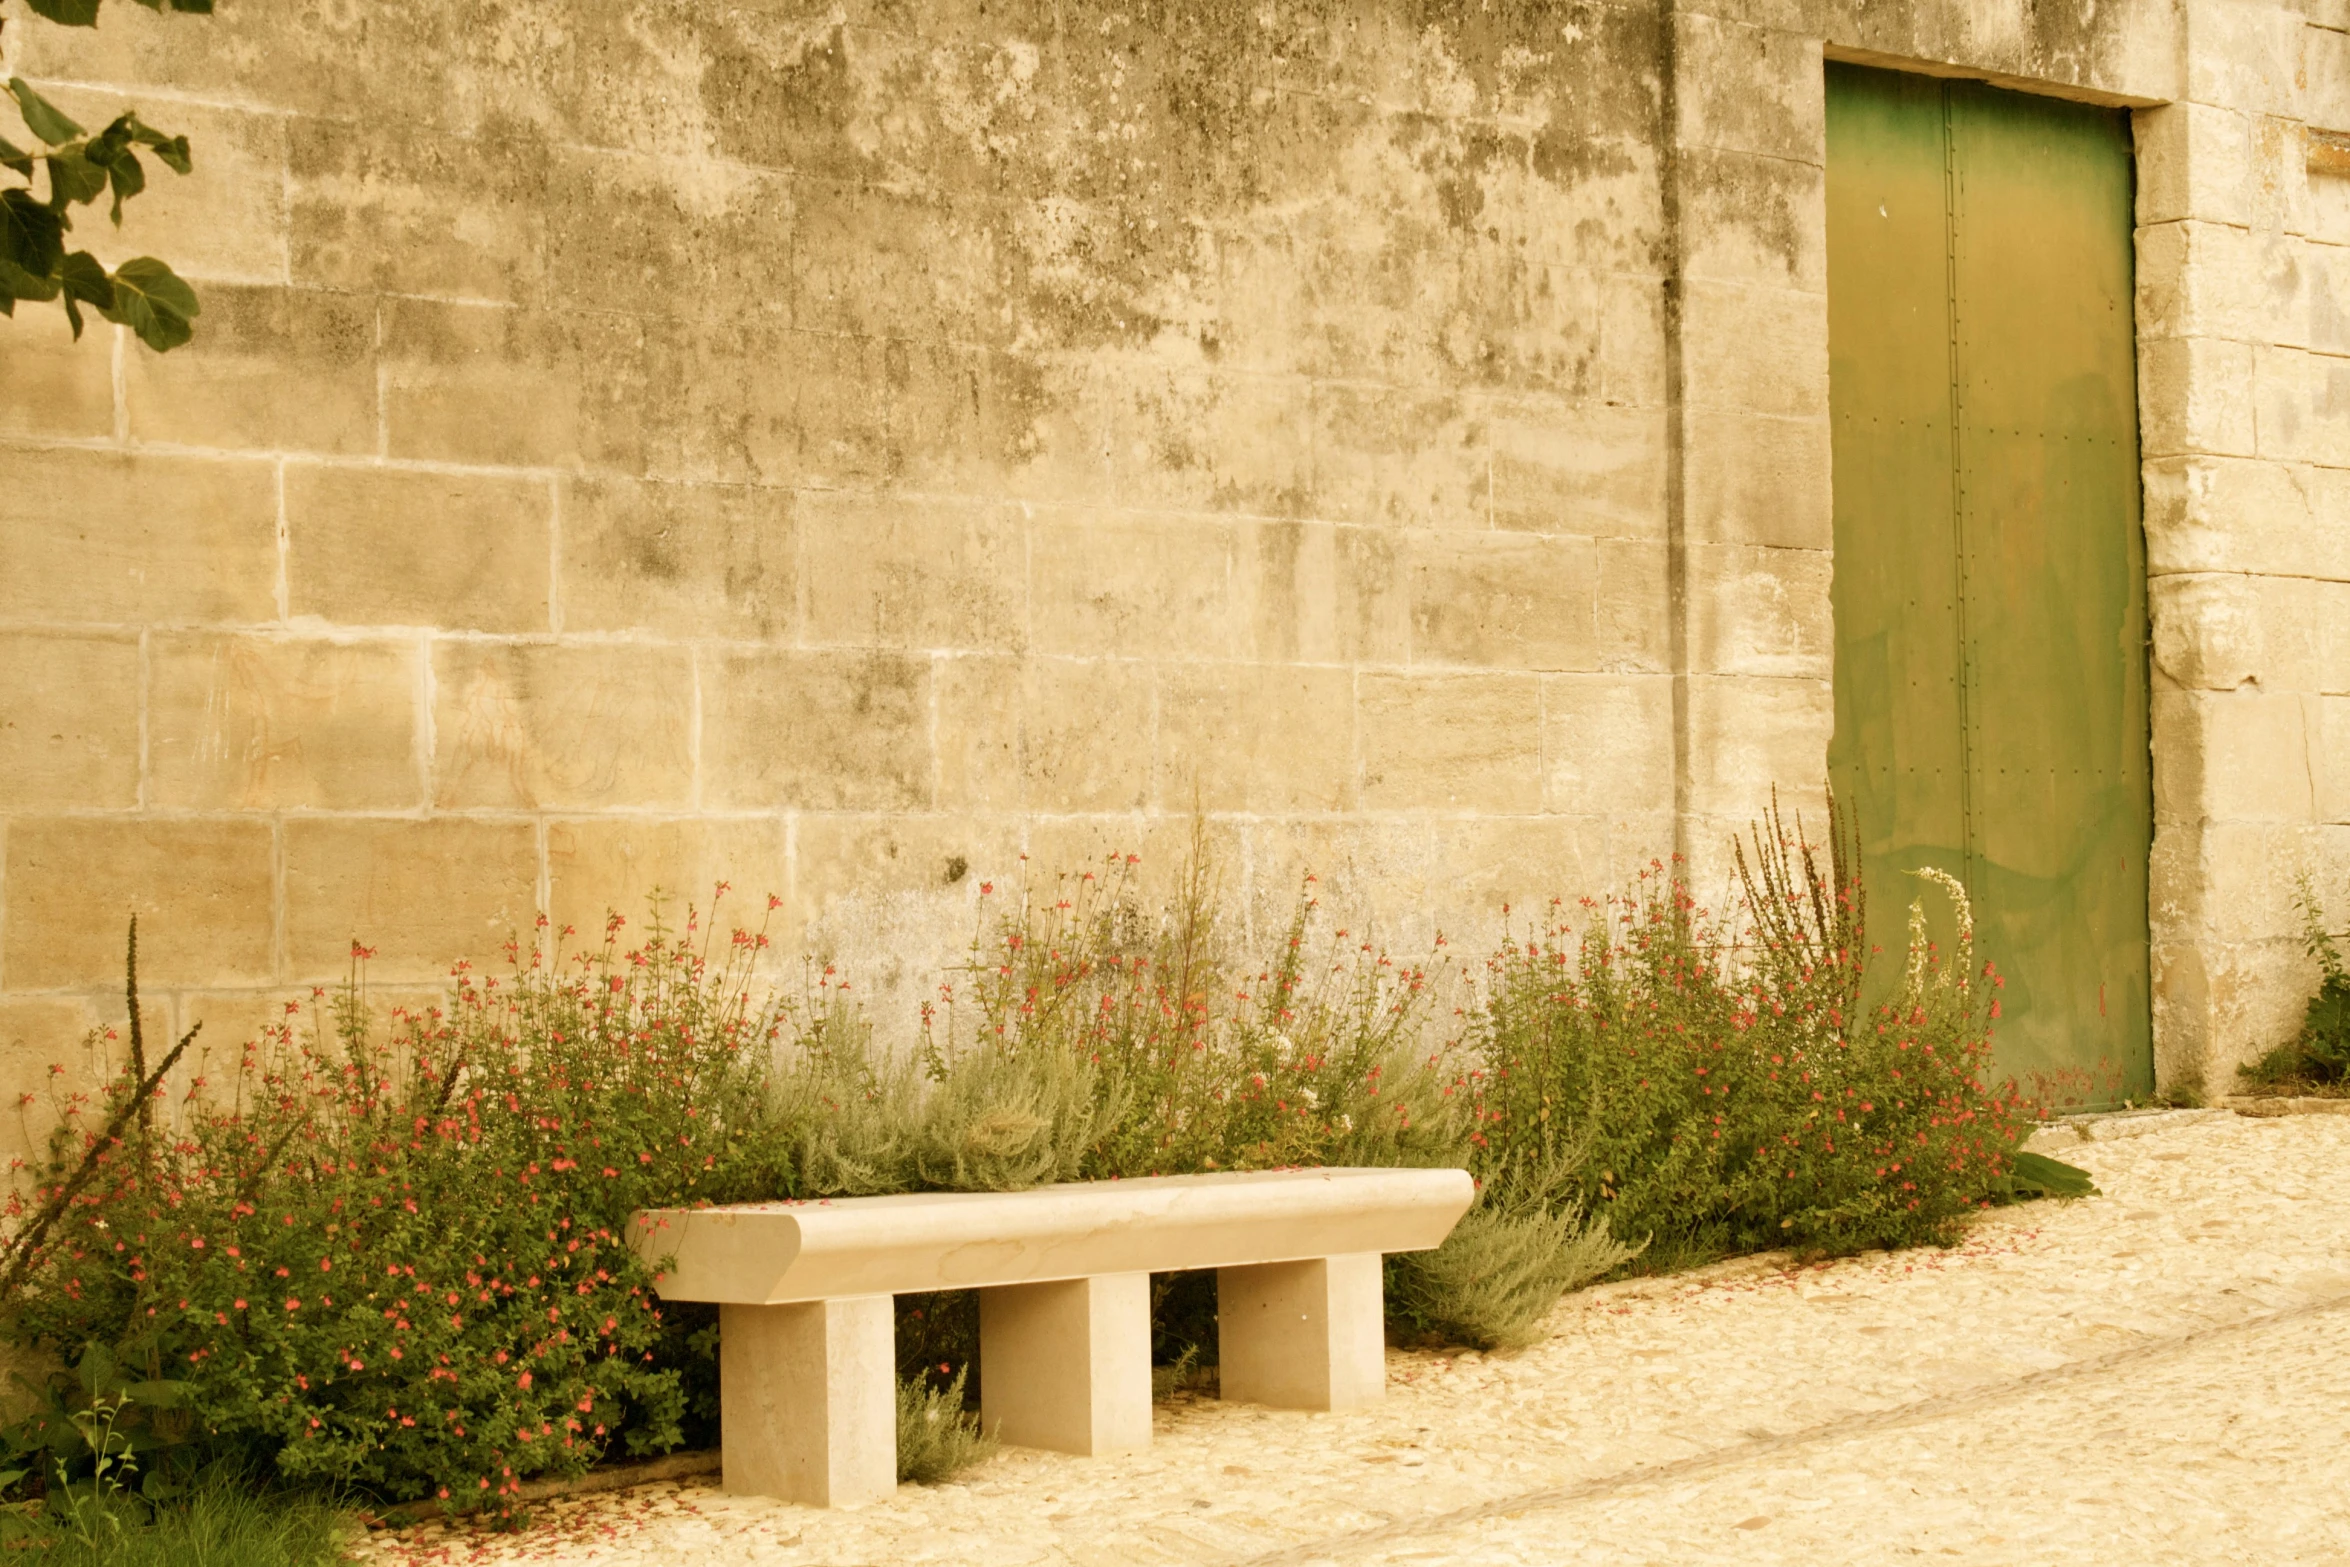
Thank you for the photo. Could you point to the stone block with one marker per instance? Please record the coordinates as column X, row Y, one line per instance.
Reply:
column 2207, row 630
column 1202, row 441
column 2234, row 756
column 1150, row 852
column 2329, row 757
column 1749, row 734
column 420, row 894
column 815, row 731
column 1635, row 592
column 2194, row 161
column 980, row 421
column 2326, row 279
column 201, row 888
column 2301, row 406
column 820, row 413
column 598, row 867
column 868, row 262
column 1496, row 876
column 2200, row 279
column 395, row 546
column 494, row 385
column 273, row 368
column 373, row 210
column 57, row 386
column 283, row 723
column 622, row 230
column 99, row 537
column 2304, row 633
column 567, row 726
column 1071, row 1363
column 1408, row 459
column 1256, row 738
column 2231, row 882
column 1289, row 591
column 980, row 703
column 807, row 1400
column 1088, row 734
column 69, row 721
column 1757, row 350
column 1450, row 742
column 1758, row 479
column 1119, row 584
column 2323, row 212
column 1372, row 616
column 1302, row 1335
column 901, row 572
column 1632, row 371
column 2195, row 397
column 1751, row 89
column 894, row 902
column 1607, row 744
column 2245, row 57
column 681, row 560
column 2229, row 514
column 2325, row 75
column 1385, row 865
column 1590, row 468
column 1760, row 611
column 1504, row 600
column 1754, row 218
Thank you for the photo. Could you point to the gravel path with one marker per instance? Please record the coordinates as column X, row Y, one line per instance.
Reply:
column 2160, row 1374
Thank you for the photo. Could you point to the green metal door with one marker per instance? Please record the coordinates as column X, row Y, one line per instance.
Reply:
column 1990, row 584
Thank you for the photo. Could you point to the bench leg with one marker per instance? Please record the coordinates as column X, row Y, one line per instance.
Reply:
column 1067, row 1365
column 807, row 1400
column 1302, row 1335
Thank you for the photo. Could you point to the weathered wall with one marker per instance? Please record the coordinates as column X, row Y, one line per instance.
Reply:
column 2244, row 323
column 845, row 448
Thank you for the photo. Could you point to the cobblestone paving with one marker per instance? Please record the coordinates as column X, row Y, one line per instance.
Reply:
column 2160, row 1374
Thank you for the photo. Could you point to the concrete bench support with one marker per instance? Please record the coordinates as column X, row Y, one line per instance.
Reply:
column 1302, row 1335
column 807, row 1399
column 1067, row 1365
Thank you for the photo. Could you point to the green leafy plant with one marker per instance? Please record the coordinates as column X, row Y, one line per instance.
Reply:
column 2318, row 1054
column 1722, row 1090
column 68, row 167
column 936, row 1435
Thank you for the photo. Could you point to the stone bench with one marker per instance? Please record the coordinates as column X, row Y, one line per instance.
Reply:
column 807, row 1335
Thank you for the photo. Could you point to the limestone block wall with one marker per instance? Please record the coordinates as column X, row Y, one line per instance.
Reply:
column 845, row 448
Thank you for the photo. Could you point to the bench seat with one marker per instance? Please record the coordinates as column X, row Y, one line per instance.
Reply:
column 807, row 1334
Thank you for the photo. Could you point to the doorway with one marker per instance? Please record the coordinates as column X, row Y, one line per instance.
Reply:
column 1990, row 576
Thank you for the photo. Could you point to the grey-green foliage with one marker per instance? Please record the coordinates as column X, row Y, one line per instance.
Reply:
column 68, row 168
column 846, row 1114
column 1002, row 1121
column 1522, row 1245
column 936, row 1434
column 1500, row 1272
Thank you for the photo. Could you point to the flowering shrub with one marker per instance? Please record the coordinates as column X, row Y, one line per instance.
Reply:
column 395, row 1259
column 392, row 1256
column 1714, row 1093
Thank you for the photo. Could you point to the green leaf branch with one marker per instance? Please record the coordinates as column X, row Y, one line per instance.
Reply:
column 68, row 168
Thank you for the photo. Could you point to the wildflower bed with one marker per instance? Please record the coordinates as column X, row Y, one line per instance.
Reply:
column 385, row 1254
